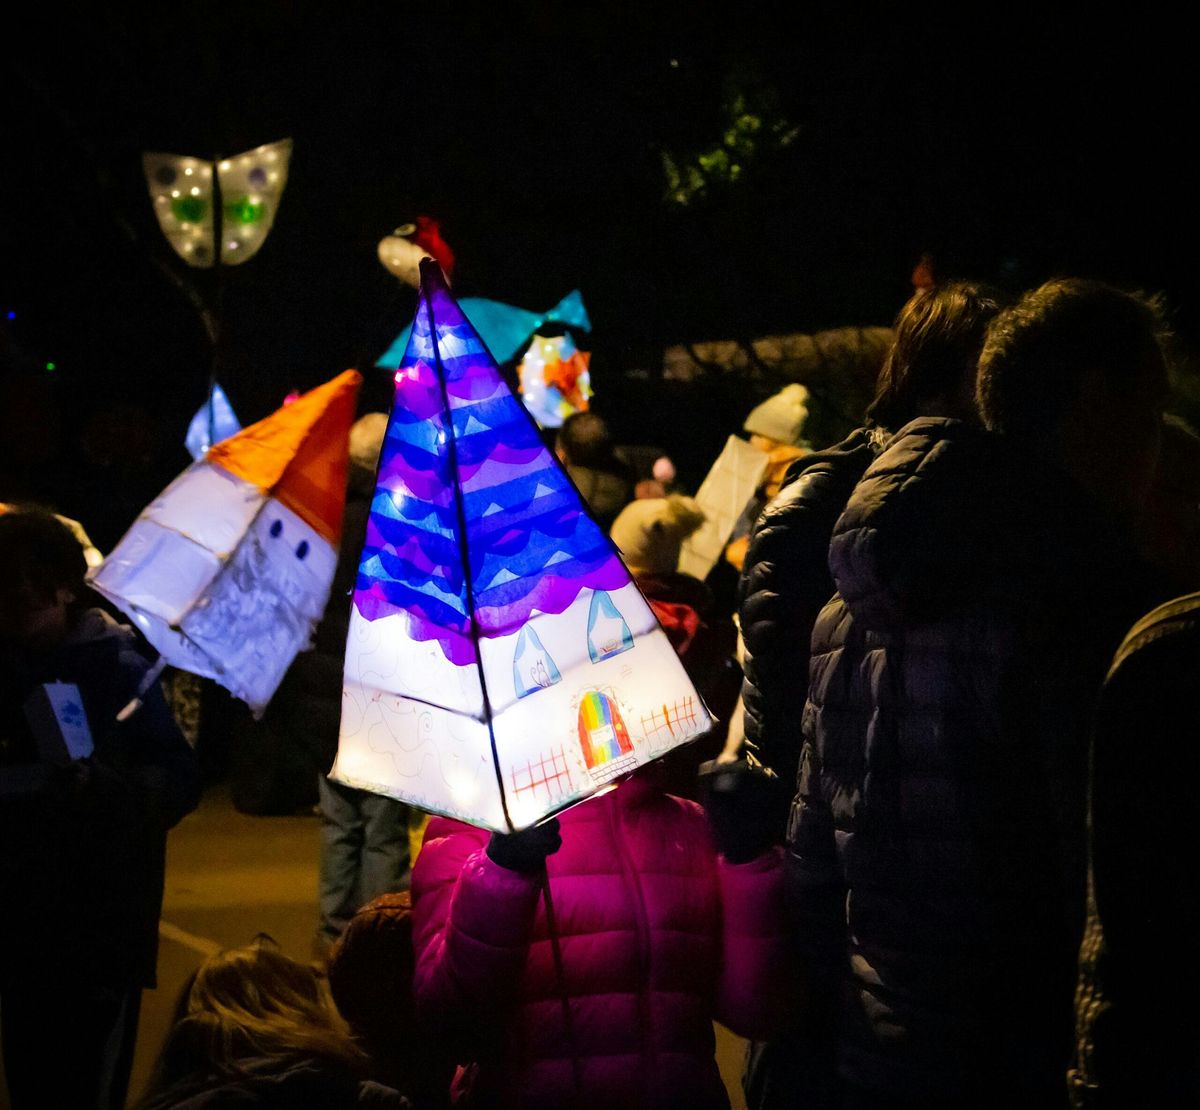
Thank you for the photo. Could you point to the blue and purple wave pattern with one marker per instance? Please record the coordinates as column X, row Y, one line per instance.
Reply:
column 530, row 544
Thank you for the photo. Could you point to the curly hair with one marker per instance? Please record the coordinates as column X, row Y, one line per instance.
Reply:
column 1037, row 352
column 939, row 334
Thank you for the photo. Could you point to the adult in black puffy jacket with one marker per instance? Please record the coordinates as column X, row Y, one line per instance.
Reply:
column 930, row 371
column 937, row 837
column 786, row 581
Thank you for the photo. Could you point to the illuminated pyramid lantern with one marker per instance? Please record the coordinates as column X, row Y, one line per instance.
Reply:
column 228, row 571
column 500, row 663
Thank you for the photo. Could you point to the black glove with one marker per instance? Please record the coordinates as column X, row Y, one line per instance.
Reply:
column 525, row 851
column 739, row 801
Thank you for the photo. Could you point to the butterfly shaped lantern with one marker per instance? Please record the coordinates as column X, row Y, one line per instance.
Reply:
column 500, row 663
column 250, row 187
column 229, row 569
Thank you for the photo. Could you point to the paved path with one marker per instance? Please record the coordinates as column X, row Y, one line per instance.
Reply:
column 229, row 877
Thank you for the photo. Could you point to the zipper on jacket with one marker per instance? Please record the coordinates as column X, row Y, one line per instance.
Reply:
column 643, row 931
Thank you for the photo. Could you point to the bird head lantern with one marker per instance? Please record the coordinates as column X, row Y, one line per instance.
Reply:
column 500, row 663
column 249, row 185
column 402, row 251
column 229, row 569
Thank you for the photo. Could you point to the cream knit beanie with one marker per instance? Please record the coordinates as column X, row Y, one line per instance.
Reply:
column 782, row 416
column 650, row 532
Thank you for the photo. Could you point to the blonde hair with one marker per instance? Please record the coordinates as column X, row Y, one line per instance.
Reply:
column 254, row 1003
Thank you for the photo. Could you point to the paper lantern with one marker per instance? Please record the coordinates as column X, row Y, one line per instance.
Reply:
column 723, row 495
column 228, row 571
column 554, row 379
column 251, row 184
column 214, row 421
column 500, row 663
column 504, row 328
column 402, row 258
column 402, row 251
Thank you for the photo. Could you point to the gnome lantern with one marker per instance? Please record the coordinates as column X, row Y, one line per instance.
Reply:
column 228, row 571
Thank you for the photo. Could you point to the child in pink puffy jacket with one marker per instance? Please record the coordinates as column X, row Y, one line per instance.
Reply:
column 604, row 993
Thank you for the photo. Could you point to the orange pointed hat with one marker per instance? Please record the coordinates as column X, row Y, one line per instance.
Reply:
column 300, row 454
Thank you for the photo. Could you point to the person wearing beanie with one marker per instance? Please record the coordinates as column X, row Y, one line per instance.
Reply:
column 776, row 427
column 779, row 419
column 650, row 531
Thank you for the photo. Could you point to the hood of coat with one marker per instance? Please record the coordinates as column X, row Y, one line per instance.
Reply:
column 914, row 536
column 949, row 515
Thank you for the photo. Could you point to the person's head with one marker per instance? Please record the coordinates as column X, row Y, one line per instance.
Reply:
column 930, row 369
column 779, row 420
column 650, row 532
column 254, row 1003
column 371, row 969
column 42, row 568
column 1076, row 370
column 583, row 440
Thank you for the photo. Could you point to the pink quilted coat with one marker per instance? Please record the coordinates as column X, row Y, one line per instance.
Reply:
column 658, row 938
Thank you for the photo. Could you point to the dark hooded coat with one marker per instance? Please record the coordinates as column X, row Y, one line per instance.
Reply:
column 937, row 838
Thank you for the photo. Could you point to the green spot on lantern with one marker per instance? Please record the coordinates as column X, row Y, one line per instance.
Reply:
column 189, row 210
column 241, row 210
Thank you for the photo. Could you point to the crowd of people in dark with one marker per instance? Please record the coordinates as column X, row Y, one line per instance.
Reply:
column 934, row 856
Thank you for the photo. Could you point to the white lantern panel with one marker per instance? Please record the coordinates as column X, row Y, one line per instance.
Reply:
column 156, row 570
column 419, row 753
column 723, row 495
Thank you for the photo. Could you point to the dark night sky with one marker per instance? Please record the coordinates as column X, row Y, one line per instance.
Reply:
column 1012, row 151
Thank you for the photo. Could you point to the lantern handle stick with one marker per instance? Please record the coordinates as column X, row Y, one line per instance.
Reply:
column 148, row 680
column 217, row 330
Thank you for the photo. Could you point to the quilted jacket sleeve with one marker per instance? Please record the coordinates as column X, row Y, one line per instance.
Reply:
column 755, row 990
column 815, row 880
column 472, row 926
column 785, row 582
